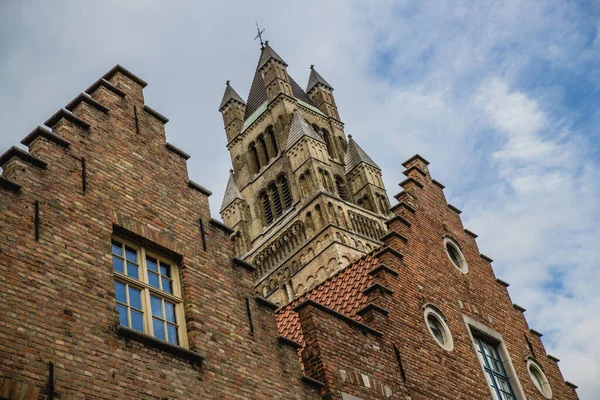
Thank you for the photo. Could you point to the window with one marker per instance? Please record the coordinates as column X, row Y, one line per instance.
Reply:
column 539, row 379
column 147, row 292
column 495, row 374
column 339, row 182
column 271, row 134
column 255, row 159
column 328, row 143
column 276, row 199
column 455, row 255
column 266, row 204
column 438, row 328
column 285, row 192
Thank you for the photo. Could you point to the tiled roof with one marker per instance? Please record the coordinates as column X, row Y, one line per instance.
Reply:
column 230, row 94
column 342, row 292
column 315, row 78
column 258, row 93
column 300, row 128
column 356, row 155
column 231, row 192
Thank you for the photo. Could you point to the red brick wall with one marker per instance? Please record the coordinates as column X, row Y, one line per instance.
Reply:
column 57, row 294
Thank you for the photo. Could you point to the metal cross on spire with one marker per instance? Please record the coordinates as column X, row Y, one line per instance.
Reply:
column 259, row 36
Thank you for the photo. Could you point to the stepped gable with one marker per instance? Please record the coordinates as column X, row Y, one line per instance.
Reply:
column 258, row 92
column 342, row 292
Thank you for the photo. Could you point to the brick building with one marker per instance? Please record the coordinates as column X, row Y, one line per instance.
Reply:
column 116, row 283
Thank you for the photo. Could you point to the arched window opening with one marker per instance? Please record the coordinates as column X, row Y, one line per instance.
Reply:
column 264, row 198
column 328, row 143
column 365, row 203
column 263, row 146
column 276, row 199
column 339, row 183
column 343, row 144
column 271, row 134
column 285, row 192
column 255, row 158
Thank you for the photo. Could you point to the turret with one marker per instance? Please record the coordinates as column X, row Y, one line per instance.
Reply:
column 274, row 72
column 235, row 214
column 321, row 93
column 364, row 176
column 233, row 108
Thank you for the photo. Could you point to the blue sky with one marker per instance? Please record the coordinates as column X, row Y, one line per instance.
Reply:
column 500, row 96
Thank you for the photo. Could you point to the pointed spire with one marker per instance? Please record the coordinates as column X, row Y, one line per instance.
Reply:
column 316, row 78
column 230, row 94
column 258, row 93
column 356, row 155
column 266, row 54
column 300, row 128
column 231, row 192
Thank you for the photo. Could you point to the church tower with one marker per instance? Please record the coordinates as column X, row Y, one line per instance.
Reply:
column 303, row 201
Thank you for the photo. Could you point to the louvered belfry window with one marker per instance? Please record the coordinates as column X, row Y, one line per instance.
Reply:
column 285, row 192
column 340, row 188
column 276, row 199
column 266, row 207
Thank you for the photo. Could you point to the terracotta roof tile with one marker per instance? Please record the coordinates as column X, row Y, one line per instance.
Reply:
column 341, row 292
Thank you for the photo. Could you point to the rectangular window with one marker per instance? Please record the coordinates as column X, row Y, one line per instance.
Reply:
column 147, row 291
column 495, row 374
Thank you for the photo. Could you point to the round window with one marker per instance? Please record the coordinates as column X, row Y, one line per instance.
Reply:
column 437, row 328
column 455, row 255
column 539, row 379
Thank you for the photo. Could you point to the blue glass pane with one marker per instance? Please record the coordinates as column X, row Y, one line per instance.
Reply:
column 135, row 298
column 117, row 248
column 133, row 271
column 118, row 264
column 120, row 292
column 137, row 321
column 122, row 315
column 156, row 306
column 159, row 328
column 131, row 254
column 166, row 285
column 169, row 312
column 151, row 263
column 172, row 333
column 165, row 270
column 153, row 279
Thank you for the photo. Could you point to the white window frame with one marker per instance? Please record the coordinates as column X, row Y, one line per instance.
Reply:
column 147, row 290
column 430, row 309
column 471, row 325
column 463, row 267
column 532, row 363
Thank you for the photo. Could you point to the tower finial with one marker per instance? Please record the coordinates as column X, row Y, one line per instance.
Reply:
column 259, row 36
column 227, row 83
column 312, row 66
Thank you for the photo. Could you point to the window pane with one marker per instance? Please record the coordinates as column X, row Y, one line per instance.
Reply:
column 118, row 264
column 131, row 254
column 135, row 298
column 165, row 269
column 156, row 306
column 120, row 292
column 151, row 264
column 166, row 285
column 122, row 315
column 132, row 271
column 153, row 279
column 159, row 328
column 137, row 322
column 169, row 312
column 117, row 248
column 172, row 333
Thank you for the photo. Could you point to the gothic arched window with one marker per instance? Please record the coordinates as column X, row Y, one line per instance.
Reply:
column 255, row 160
column 263, row 146
column 267, row 211
column 285, row 192
column 271, row 135
column 328, row 143
column 276, row 199
column 339, row 183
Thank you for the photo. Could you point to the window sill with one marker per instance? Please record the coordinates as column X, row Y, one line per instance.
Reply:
column 151, row 341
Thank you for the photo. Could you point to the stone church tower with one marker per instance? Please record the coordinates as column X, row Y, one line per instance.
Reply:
column 303, row 200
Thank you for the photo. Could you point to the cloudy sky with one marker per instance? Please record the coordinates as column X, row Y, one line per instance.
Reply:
column 500, row 96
